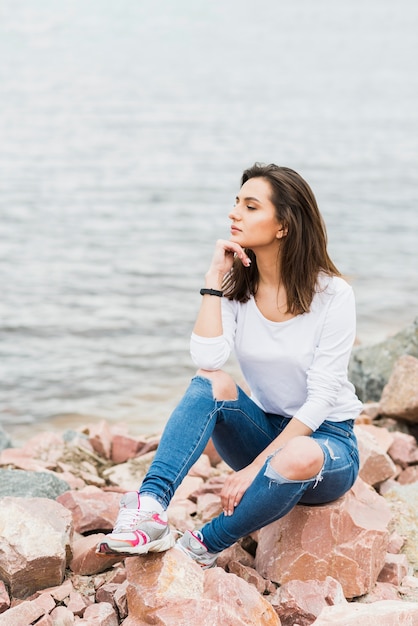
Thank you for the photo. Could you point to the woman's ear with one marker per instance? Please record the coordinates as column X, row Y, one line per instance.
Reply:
column 282, row 232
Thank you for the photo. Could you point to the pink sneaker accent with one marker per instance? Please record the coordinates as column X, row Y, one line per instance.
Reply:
column 136, row 531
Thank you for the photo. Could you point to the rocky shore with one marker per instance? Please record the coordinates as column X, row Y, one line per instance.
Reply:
column 353, row 561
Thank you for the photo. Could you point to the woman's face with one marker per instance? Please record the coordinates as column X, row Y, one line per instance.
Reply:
column 254, row 223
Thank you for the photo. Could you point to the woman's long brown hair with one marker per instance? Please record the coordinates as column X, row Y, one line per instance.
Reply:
column 303, row 253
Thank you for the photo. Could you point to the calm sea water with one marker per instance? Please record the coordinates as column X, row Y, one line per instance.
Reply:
column 124, row 128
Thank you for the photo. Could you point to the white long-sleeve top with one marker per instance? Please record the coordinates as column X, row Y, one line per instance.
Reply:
column 296, row 368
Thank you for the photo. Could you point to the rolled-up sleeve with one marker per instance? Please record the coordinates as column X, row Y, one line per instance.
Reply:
column 211, row 353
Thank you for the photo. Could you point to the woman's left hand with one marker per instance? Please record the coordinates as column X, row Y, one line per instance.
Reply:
column 235, row 486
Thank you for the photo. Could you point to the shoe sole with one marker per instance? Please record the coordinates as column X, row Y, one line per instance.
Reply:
column 159, row 545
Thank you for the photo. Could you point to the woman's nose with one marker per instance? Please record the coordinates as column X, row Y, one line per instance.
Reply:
column 234, row 214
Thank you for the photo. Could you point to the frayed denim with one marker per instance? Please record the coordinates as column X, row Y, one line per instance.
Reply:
column 240, row 431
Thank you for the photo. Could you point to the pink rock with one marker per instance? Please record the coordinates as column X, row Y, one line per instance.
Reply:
column 396, row 543
column 78, row 603
column 92, row 509
column 85, row 561
column 395, row 569
column 239, row 599
column 375, row 465
column 209, row 505
column 73, row 481
column 34, row 543
column 400, row 395
column 22, row 614
column 404, row 449
column 100, row 438
column 114, row 594
column 179, row 514
column 235, row 553
column 61, row 592
column 14, row 457
column 121, row 600
column 300, row 602
column 382, row 436
column 382, row 591
column 124, row 448
column 45, row 601
column 346, row 539
column 384, row 613
column 39, row 453
column 371, row 410
column 189, row 485
column 46, row 620
column 4, row 597
column 62, row 616
column 408, row 475
column 184, row 612
column 102, row 614
column 156, row 579
column 201, row 468
column 249, row 574
column 211, row 452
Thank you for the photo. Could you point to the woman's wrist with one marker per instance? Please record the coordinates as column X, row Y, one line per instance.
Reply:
column 213, row 280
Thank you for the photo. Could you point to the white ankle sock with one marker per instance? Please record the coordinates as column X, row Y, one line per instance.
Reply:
column 148, row 503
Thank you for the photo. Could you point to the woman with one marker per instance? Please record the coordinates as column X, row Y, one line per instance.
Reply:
column 290, row 318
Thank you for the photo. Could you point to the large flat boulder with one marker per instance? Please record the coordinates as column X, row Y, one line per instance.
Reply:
column 346, row 539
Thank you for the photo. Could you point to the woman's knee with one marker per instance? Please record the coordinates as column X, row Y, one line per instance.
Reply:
column 223, row 385
column 300, row 458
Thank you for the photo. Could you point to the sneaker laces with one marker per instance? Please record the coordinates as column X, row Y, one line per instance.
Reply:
column 128, row 519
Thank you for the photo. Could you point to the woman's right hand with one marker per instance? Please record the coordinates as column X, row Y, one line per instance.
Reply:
column 223, row 257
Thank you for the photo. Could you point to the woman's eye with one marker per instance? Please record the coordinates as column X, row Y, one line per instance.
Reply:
column 251, row 208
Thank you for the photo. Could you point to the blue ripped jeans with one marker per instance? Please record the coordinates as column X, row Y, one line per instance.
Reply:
column 241, row 431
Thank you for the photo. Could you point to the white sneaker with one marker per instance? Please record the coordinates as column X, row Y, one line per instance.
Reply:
column 136, row 531
column 191, row 543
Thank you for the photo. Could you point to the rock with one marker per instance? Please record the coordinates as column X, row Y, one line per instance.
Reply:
column 115, row 594
column 403, row 450
column 400, row 394
column 381, row 591
column 201, row 468
column 375, row 465
column 23, row 614
column 382, row 436
column 240, row 600
column 35, row 536
column 62, row 616
column 4, row 597
column 211, row 452
column 371, row 366
column 346, row 539
column 129, row 475
column 169, row 588
column 125, row 447
column 156, row 579
column 403, row 501
column 85, row 561
column 39, row 453
column 235, row 553
column 20, row 483
column 102, row 614
column 300, row 602
column 92, row 509
column 209, row 505
column 78, row 603
column 384, row 613
column 394, row 570
column 250, row 575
